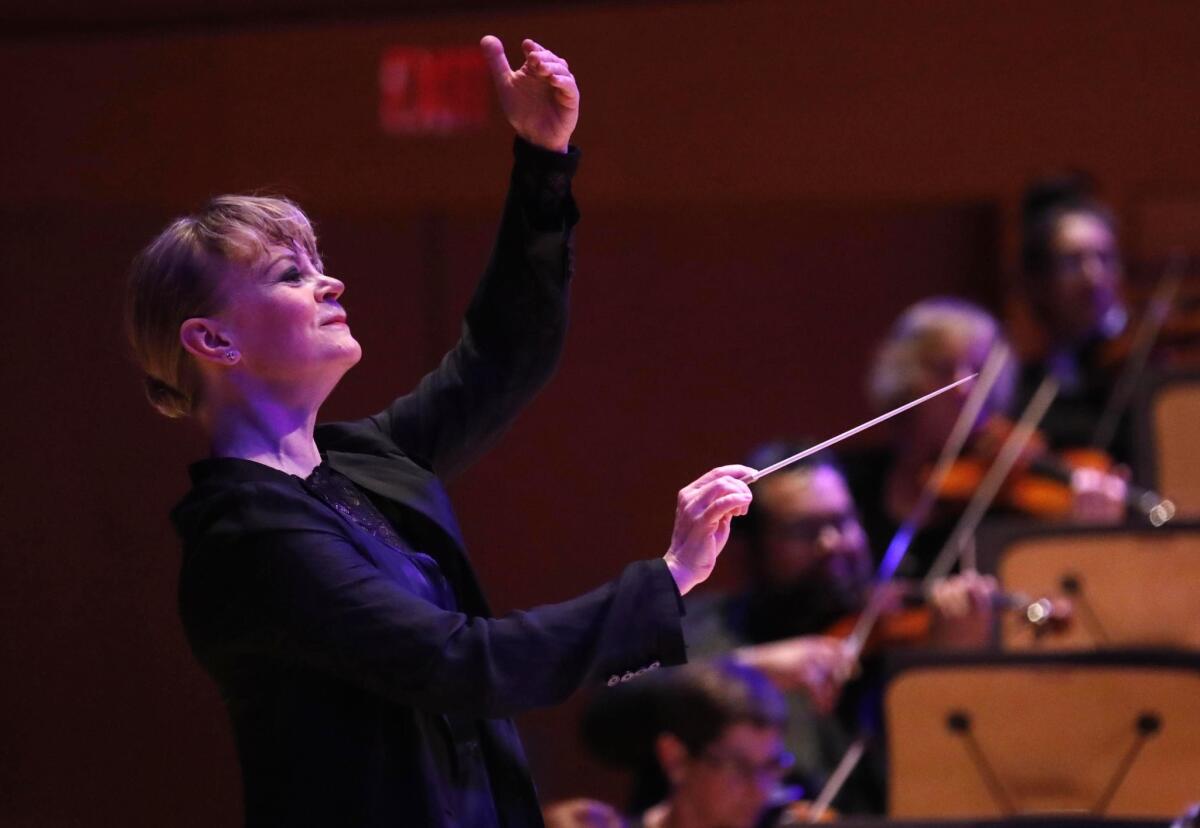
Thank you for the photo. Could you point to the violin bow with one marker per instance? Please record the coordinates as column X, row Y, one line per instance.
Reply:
column 1144, row 338
column 993, row 480
column 997, row 357
column 837, row 779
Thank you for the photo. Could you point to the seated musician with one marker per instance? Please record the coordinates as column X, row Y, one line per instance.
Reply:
column 932, row 343
column 708, row 738
column 1072, row 278
column 810, row 567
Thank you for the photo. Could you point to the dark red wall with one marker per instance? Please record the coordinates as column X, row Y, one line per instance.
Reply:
column 765, row 185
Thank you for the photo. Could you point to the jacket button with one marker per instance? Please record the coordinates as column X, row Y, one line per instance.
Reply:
column 628, row 675
column 613, row 681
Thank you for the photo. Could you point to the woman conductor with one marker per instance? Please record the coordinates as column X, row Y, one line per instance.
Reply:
column 324, row 583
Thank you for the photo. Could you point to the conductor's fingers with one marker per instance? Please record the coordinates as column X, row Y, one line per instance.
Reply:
column 493, row 56
column 723, row 507
column 695, row 501
column 735, row 471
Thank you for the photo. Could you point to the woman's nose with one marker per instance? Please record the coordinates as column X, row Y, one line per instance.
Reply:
column 329, row 288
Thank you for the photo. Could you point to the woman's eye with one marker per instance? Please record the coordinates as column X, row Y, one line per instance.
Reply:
column 290, row 275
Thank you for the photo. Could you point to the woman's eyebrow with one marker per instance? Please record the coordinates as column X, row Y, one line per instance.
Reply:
column 270, row 266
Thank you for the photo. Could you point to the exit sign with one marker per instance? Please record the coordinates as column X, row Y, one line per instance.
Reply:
column 433, row 91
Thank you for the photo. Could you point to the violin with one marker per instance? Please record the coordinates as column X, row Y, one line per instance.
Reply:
column 906, row 617
column 1039, row 484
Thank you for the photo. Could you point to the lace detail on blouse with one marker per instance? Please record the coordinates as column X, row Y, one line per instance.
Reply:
column 343, row 496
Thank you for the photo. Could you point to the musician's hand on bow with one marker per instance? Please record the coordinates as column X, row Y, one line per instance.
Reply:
column 540, row 99
column 816, row 664
column 1097, row 496
column 703, row 512
column 963, row 610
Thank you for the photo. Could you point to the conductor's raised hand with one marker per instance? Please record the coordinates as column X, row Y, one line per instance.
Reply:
column 703, row 512
column 540, row 99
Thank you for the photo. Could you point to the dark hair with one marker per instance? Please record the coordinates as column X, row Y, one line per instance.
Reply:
column 769, row 453
column 695, row 703
column 1046, row 201
column 701, row 700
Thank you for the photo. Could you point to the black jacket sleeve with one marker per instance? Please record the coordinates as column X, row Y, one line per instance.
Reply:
column 276, row 579
column 513, row 330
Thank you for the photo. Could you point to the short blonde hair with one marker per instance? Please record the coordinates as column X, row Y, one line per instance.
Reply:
column 921, row 334
column 177, row 277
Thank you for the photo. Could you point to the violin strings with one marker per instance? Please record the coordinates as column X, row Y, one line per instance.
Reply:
column 837, row 779
column 996, row 359
column 1144, row 338
column 989, row 487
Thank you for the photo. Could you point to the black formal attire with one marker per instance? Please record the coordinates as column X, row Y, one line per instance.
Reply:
column 367, row 682
column 1085, row 385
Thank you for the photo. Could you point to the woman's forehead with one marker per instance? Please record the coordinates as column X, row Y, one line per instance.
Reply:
column 272, row 255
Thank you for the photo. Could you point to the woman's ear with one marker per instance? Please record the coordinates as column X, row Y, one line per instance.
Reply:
column 672, row 757
column 203, row 339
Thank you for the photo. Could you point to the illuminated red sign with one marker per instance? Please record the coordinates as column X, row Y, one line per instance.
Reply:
column 432, row 91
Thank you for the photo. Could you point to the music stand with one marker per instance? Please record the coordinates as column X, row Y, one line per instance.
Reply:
column 1167, row 441
column 1103, row 734
column 1127, row 584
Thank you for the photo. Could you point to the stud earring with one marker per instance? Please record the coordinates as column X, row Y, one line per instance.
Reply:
column 231, row 356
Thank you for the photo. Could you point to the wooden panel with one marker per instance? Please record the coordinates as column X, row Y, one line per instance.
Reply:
column 1053, row 736
column 1128, row 588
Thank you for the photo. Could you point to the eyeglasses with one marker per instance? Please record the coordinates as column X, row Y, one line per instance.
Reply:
column 773, row 770
column 810, row 529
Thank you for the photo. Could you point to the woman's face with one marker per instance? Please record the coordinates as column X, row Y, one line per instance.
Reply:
column 1083, row 289
column 282, row 316
column 948, row 358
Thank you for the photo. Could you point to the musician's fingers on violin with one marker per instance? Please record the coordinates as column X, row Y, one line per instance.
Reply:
column 1115, row 486
column 982, row 590
column 1098, row 497
column 950, row 596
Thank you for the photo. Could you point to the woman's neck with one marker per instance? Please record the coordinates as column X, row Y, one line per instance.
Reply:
column 267, row 432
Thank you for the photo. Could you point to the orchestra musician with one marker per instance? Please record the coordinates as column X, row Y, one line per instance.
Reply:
column 1072, row 275
column 934, row 342
column 708, row 740
column 810, row 571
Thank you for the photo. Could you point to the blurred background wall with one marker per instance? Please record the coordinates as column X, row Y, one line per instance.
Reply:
column 765, row 185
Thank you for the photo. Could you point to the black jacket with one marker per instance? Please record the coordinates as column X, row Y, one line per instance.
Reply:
column 344, row 686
